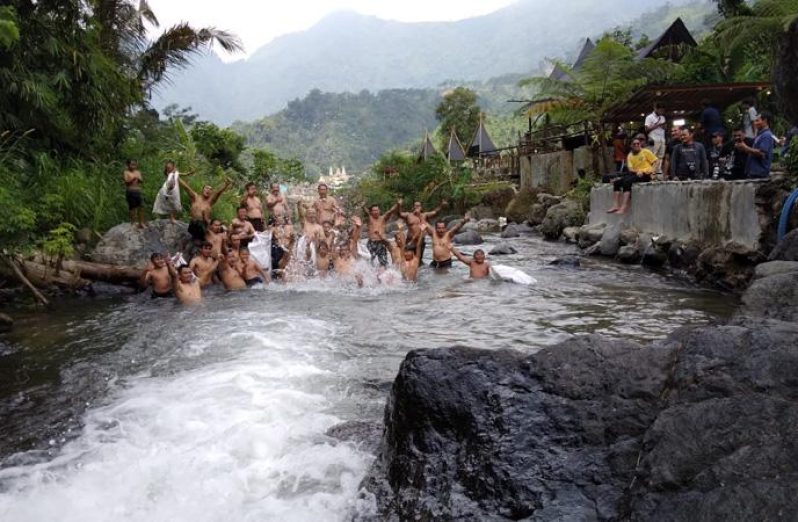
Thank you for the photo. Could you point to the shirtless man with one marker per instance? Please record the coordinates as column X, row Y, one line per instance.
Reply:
column 185, row 285
column 201, row 205
column 157, row 276
column 330, row 234
column 242, row 226
column 276, row 205
column 397, row 246
column 204, row 265
column 282, row 243
column 345, row 253
column 133, row 180
column 442, row 243
column 411, row 259
column 415, row 219
column 254, row 206
column 376, row 233
column 250, row 270
column 229, row 273
column 217, row 238
column 324, row 261
column 326, row 207
column 311, row 228
column 478, row 267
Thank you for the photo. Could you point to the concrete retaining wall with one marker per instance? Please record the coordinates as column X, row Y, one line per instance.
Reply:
column 708, row 212
column 555, row 172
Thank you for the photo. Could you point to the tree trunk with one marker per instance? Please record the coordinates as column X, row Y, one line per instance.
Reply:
column 43, row 275
column 25, row 281
column 786, row 74
column 106, row 273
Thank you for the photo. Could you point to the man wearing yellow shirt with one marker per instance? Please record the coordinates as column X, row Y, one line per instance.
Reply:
column 641, row 163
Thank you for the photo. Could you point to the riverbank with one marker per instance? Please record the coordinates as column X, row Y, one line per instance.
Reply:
column 697, row 426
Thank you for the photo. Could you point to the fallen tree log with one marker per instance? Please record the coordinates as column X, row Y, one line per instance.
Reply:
column 106, row 273
column 44, row 275
column 25, row 281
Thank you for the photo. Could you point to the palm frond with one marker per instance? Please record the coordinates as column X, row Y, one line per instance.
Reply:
column 175, row 48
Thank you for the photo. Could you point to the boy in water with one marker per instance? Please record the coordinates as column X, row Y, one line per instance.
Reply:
column 250, row 270
column 204, row 265
column 229, row 272
column 324, row 262
column 157, row 275
column 412, row 257
column 185, row 285
column 478, row 267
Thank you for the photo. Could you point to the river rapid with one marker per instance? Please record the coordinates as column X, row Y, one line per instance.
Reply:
column 131, row 409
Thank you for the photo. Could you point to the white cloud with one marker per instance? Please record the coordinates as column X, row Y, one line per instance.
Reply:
column 257, row 22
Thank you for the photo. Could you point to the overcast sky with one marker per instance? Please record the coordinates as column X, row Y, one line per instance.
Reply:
column 257, row 22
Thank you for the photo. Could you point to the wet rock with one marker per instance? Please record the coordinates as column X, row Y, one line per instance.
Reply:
column 610, row 240
column 469, row 237
column 537, row 214
column 699, row 426
column 520, row 207
column 567, row 261
column 448, row 219
column 663, row 242
column 571, row 234
column 590, row 234
column 502, row 249
column 364, row 434
column 593, row 250
column 629, row 236
column 729, row 266
column 773, row 297
column 653, row 256
column 548, row 201
column 566, row 214
column 487, row 225
column 787, row 249
column 629, row 254
column 453, row 223
column 774, row 268
column 6, row 322
column 498, row 200
column 511, row 231
column 482, row 212
column 129, row 245
column 683, row 255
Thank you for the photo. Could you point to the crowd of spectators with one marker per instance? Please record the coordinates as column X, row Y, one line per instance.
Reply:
column 695, row 153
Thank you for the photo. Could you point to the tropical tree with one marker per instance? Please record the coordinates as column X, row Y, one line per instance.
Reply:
column 458, row 110
column 609, row 74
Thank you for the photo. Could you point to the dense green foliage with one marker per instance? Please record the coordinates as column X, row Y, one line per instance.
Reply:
column 326, row 130
column 458, row 110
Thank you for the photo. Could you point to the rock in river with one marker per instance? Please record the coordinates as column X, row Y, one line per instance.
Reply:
column 502, row 249
column 128, row 245
column 696, row 427
column 469, row 237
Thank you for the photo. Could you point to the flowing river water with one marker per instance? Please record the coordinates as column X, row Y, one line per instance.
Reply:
column 129, row 409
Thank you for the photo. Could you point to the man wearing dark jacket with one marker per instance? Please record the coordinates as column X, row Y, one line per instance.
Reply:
column 689, row 159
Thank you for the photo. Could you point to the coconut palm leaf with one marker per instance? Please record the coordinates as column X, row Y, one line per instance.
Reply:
column 175, row 48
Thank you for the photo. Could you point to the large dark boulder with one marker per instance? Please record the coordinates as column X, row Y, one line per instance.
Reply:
column 787, row 249
column 469, row 237
column 697, row 427
column 566, row 214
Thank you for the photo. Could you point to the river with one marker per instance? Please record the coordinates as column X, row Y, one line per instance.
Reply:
column 128, row 409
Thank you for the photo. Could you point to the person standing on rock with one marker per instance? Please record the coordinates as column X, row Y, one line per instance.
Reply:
column 641, row 164
column 376, row 232
column 478, row 268
column 167, row 202
column 415, row 219
column 442, row 243
column 132, row 178
column 254, row 207
column 275, row 202
column 201, row 206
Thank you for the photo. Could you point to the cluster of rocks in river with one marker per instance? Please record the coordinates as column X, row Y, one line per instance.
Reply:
column 699, row 426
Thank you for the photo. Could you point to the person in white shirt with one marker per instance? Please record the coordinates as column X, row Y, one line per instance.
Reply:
column 655, row 129
column 749, row 115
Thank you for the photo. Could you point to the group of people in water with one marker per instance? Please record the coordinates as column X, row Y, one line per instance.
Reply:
column 325, row 245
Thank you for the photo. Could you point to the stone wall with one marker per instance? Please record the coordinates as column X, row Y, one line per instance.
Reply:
column 706, row 212
column 555, row 172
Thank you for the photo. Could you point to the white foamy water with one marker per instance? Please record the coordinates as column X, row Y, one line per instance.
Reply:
column 240, row 438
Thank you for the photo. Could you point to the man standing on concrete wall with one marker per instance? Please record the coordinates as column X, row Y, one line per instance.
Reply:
column 760, row 154
column 655, row 129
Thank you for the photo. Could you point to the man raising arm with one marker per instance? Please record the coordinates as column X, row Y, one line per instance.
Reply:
column 478, row 268
column 376, row 232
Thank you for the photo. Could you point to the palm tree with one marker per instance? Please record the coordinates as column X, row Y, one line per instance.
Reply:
column 581, row 97
column 752, row 33
column 123, row 34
